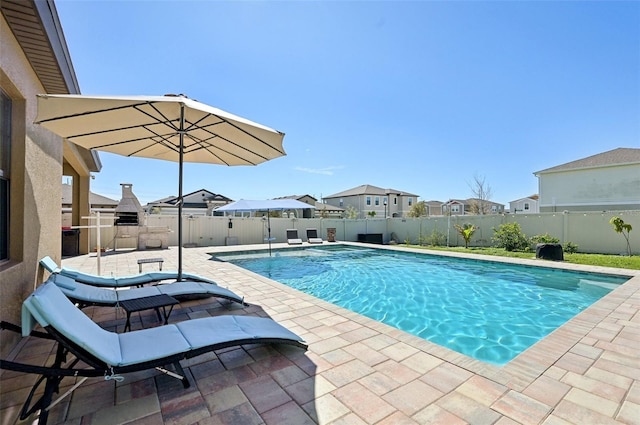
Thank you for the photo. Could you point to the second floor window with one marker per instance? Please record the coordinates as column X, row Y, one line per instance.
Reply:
column 410, row 201
column 377, row 200
column 368, row 200
column 526, row 206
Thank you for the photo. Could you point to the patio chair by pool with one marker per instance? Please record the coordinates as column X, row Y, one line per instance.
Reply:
column 312, row 236
column 85, row 295
column 293, row 238
column 85, row 350
column 133, row 280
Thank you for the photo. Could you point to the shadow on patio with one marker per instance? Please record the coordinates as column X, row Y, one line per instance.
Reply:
column 249, row 384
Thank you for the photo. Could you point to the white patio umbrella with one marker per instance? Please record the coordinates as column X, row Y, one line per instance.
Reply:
column 170, row 127
column 267, row 205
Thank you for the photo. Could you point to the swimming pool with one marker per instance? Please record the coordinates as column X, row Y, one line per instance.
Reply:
column 487, row 310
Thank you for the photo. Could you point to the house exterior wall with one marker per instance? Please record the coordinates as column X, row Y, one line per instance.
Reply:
column 518, row 207
column 595, row 189
column 35, row 190
column 38, row 158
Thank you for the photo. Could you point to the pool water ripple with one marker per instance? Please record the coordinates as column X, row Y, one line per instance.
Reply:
column 490, row 311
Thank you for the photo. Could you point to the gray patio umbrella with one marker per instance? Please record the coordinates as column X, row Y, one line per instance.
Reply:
column 170, row 127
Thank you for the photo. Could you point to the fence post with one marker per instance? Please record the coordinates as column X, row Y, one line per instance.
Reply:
column 565, row 226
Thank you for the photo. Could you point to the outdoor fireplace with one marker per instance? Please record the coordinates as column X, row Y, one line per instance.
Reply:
column 129, row 212
column 130, row 224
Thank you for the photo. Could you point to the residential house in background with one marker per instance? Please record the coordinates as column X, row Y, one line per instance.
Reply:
column 528, row 205
column 368, row 198
column 434, row 207
column 200, row 202
column 605, row 181
column 471, row 206
column 96, row 203
column 321, row 210
column 34, row 59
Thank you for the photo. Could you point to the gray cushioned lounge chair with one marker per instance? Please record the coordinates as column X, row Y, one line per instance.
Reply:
column 84, row 349
column 86, row 295
column 133, row 280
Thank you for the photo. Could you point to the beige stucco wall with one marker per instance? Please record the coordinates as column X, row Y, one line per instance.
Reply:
column 36, row 176
column 596, row 189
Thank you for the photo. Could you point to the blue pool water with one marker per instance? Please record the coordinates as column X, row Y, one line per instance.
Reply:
column 487, row 310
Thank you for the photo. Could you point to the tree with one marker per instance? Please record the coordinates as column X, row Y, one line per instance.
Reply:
column 419, row 209
column 466, row 231
column 624, row 228
column 351, row 212
column 371, row 214
column 482, row 194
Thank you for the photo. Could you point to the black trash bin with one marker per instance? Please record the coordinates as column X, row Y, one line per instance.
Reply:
column 70, row 242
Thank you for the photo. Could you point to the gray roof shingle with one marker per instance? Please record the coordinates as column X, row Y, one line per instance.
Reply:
column 613, row 157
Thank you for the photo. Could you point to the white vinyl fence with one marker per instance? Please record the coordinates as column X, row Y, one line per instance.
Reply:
column 591, row 232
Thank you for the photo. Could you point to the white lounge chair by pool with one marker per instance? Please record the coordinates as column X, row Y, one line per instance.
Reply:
column 312, row 236
column 293, row 238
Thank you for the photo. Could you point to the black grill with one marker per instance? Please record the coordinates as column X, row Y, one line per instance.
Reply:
column 126, row 219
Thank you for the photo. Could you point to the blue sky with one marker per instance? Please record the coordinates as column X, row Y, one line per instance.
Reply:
column 418, row 96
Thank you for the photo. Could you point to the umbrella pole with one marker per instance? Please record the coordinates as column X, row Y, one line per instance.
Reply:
column 180, row 166
column 269, row 230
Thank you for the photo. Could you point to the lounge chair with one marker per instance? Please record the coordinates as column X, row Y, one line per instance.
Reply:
column 133, row 280
column 100, row 353
column 312, row 236
column 85, row 295
column 293, row 238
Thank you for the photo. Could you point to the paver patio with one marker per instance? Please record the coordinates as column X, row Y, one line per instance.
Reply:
column 356, row 370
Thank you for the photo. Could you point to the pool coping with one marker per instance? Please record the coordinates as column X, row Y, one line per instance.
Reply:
column 525, row 368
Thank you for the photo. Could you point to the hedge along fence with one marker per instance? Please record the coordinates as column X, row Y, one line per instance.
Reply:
column 591, row 231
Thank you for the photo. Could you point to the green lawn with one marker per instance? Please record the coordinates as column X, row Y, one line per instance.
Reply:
column 603, row 260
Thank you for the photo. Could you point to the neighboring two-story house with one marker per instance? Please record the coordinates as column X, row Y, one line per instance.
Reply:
column 200, row 202
column 368, row 198
column 471, row 206
column 321, row 210
column 601, row 182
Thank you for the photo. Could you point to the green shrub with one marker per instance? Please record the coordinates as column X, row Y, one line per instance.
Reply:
column 437, row 239
column 546, row 238
column 570, row 248
column 510, row 237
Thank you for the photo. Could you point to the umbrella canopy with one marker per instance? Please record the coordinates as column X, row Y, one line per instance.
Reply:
column 172, row 128
column 265, row 205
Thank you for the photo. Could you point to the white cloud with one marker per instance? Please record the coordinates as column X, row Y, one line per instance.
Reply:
column 327, row 171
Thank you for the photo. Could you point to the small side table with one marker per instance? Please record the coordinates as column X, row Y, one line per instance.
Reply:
column 149, row 260
column 146, row 303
